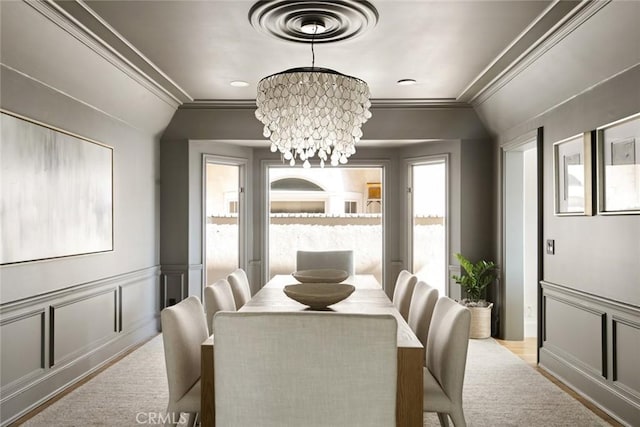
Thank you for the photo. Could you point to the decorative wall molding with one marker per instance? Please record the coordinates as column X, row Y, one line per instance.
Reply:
column 617, row 388
column 67, row 334
column 75, row 28
column 599, row 316
column 96, row 310
column 124, row 278
column 67, row 95
column 619, row 358
column 612, row 304
column 14, row 378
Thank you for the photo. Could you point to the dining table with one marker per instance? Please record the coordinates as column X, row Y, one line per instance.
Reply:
column 367, row 298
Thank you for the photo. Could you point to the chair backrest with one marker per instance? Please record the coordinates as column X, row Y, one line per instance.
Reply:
column 339, row 260
column 218, row 297
column 240, row 287
column 305, row 368
column 184, row 328
column 423, row 302
column 447, row 343
column 403, row 292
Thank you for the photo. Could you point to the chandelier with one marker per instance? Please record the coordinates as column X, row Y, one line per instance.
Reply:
column 313, row 111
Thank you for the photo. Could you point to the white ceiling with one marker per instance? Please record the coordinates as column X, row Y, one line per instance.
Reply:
column 204, row 45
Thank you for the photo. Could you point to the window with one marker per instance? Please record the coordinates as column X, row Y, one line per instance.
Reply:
column 350, row 207
column 317, row 209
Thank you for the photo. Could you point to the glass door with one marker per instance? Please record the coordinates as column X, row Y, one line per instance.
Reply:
column 222, row 219
column 428, row 207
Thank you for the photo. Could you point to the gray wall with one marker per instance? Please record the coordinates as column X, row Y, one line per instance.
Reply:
column 73, row 314
column 61, row 319
column 399, row 134
column 591, row 286
column 585, row 76
column 181, row 222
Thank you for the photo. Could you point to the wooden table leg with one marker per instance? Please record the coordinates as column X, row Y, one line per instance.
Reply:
column 207, row 403
column 410, row 388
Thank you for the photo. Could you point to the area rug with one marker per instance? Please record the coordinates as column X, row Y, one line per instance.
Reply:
column 500, row 390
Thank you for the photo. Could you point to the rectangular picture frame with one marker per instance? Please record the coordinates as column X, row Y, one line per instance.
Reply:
column 618, row 167
column 572, row 175
column 57, row 193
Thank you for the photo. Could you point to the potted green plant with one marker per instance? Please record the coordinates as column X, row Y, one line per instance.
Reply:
column 474, row 282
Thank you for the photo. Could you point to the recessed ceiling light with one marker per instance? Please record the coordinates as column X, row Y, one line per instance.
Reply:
column 239, row 83
column 406, row 82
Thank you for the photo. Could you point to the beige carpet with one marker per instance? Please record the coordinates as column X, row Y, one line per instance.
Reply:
column 500, row 390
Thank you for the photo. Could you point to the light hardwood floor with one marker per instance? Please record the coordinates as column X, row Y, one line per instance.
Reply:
column 527, row 350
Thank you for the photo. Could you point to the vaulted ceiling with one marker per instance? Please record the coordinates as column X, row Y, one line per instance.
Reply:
column 451, row 48
column 490, row 55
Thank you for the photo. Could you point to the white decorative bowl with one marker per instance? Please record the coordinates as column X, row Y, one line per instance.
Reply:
column 326, row 275
column 319, row 296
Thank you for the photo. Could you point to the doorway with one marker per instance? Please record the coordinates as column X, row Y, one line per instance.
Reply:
column 519, row 314
column 429, row 223
column 223, row 217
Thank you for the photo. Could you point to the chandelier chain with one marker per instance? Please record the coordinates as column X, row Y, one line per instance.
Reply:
column 313, row 53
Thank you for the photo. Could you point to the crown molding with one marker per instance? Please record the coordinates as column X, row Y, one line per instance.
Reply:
column 75, row 28
column 419, row 103
column 387, row 103
column 554, row 13
column 221, row 104
column 577, row 16
column 182, row 94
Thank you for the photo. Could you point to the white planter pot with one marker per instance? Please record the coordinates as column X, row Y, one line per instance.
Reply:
column 480, row 322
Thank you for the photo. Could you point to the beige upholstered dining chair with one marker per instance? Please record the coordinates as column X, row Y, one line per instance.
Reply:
column 218, row 297
column 240, row 287
column 403, row 292
column 339, row 260
column 305, row 369
column 184, row 328
column 446, row 355
column 423, row 302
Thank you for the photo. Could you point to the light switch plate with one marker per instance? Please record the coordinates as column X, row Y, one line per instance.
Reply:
column 551, row 246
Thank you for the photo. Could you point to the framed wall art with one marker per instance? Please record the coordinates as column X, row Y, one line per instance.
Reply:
column 56, row 198
column 572, row 172
column 619, row 167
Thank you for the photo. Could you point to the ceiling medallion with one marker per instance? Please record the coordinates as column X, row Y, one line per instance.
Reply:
column 288, row 20
column 312, row 111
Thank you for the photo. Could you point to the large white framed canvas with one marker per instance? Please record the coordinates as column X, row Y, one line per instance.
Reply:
column 619, row 167
column 56, row 196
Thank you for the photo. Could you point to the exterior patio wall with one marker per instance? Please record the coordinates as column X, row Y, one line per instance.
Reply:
column 291, row 232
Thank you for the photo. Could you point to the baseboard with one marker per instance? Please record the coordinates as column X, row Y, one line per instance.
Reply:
column 30, row 397
column 596, row 392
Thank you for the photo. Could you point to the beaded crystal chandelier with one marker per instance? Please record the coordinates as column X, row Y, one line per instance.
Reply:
column 312, row 111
